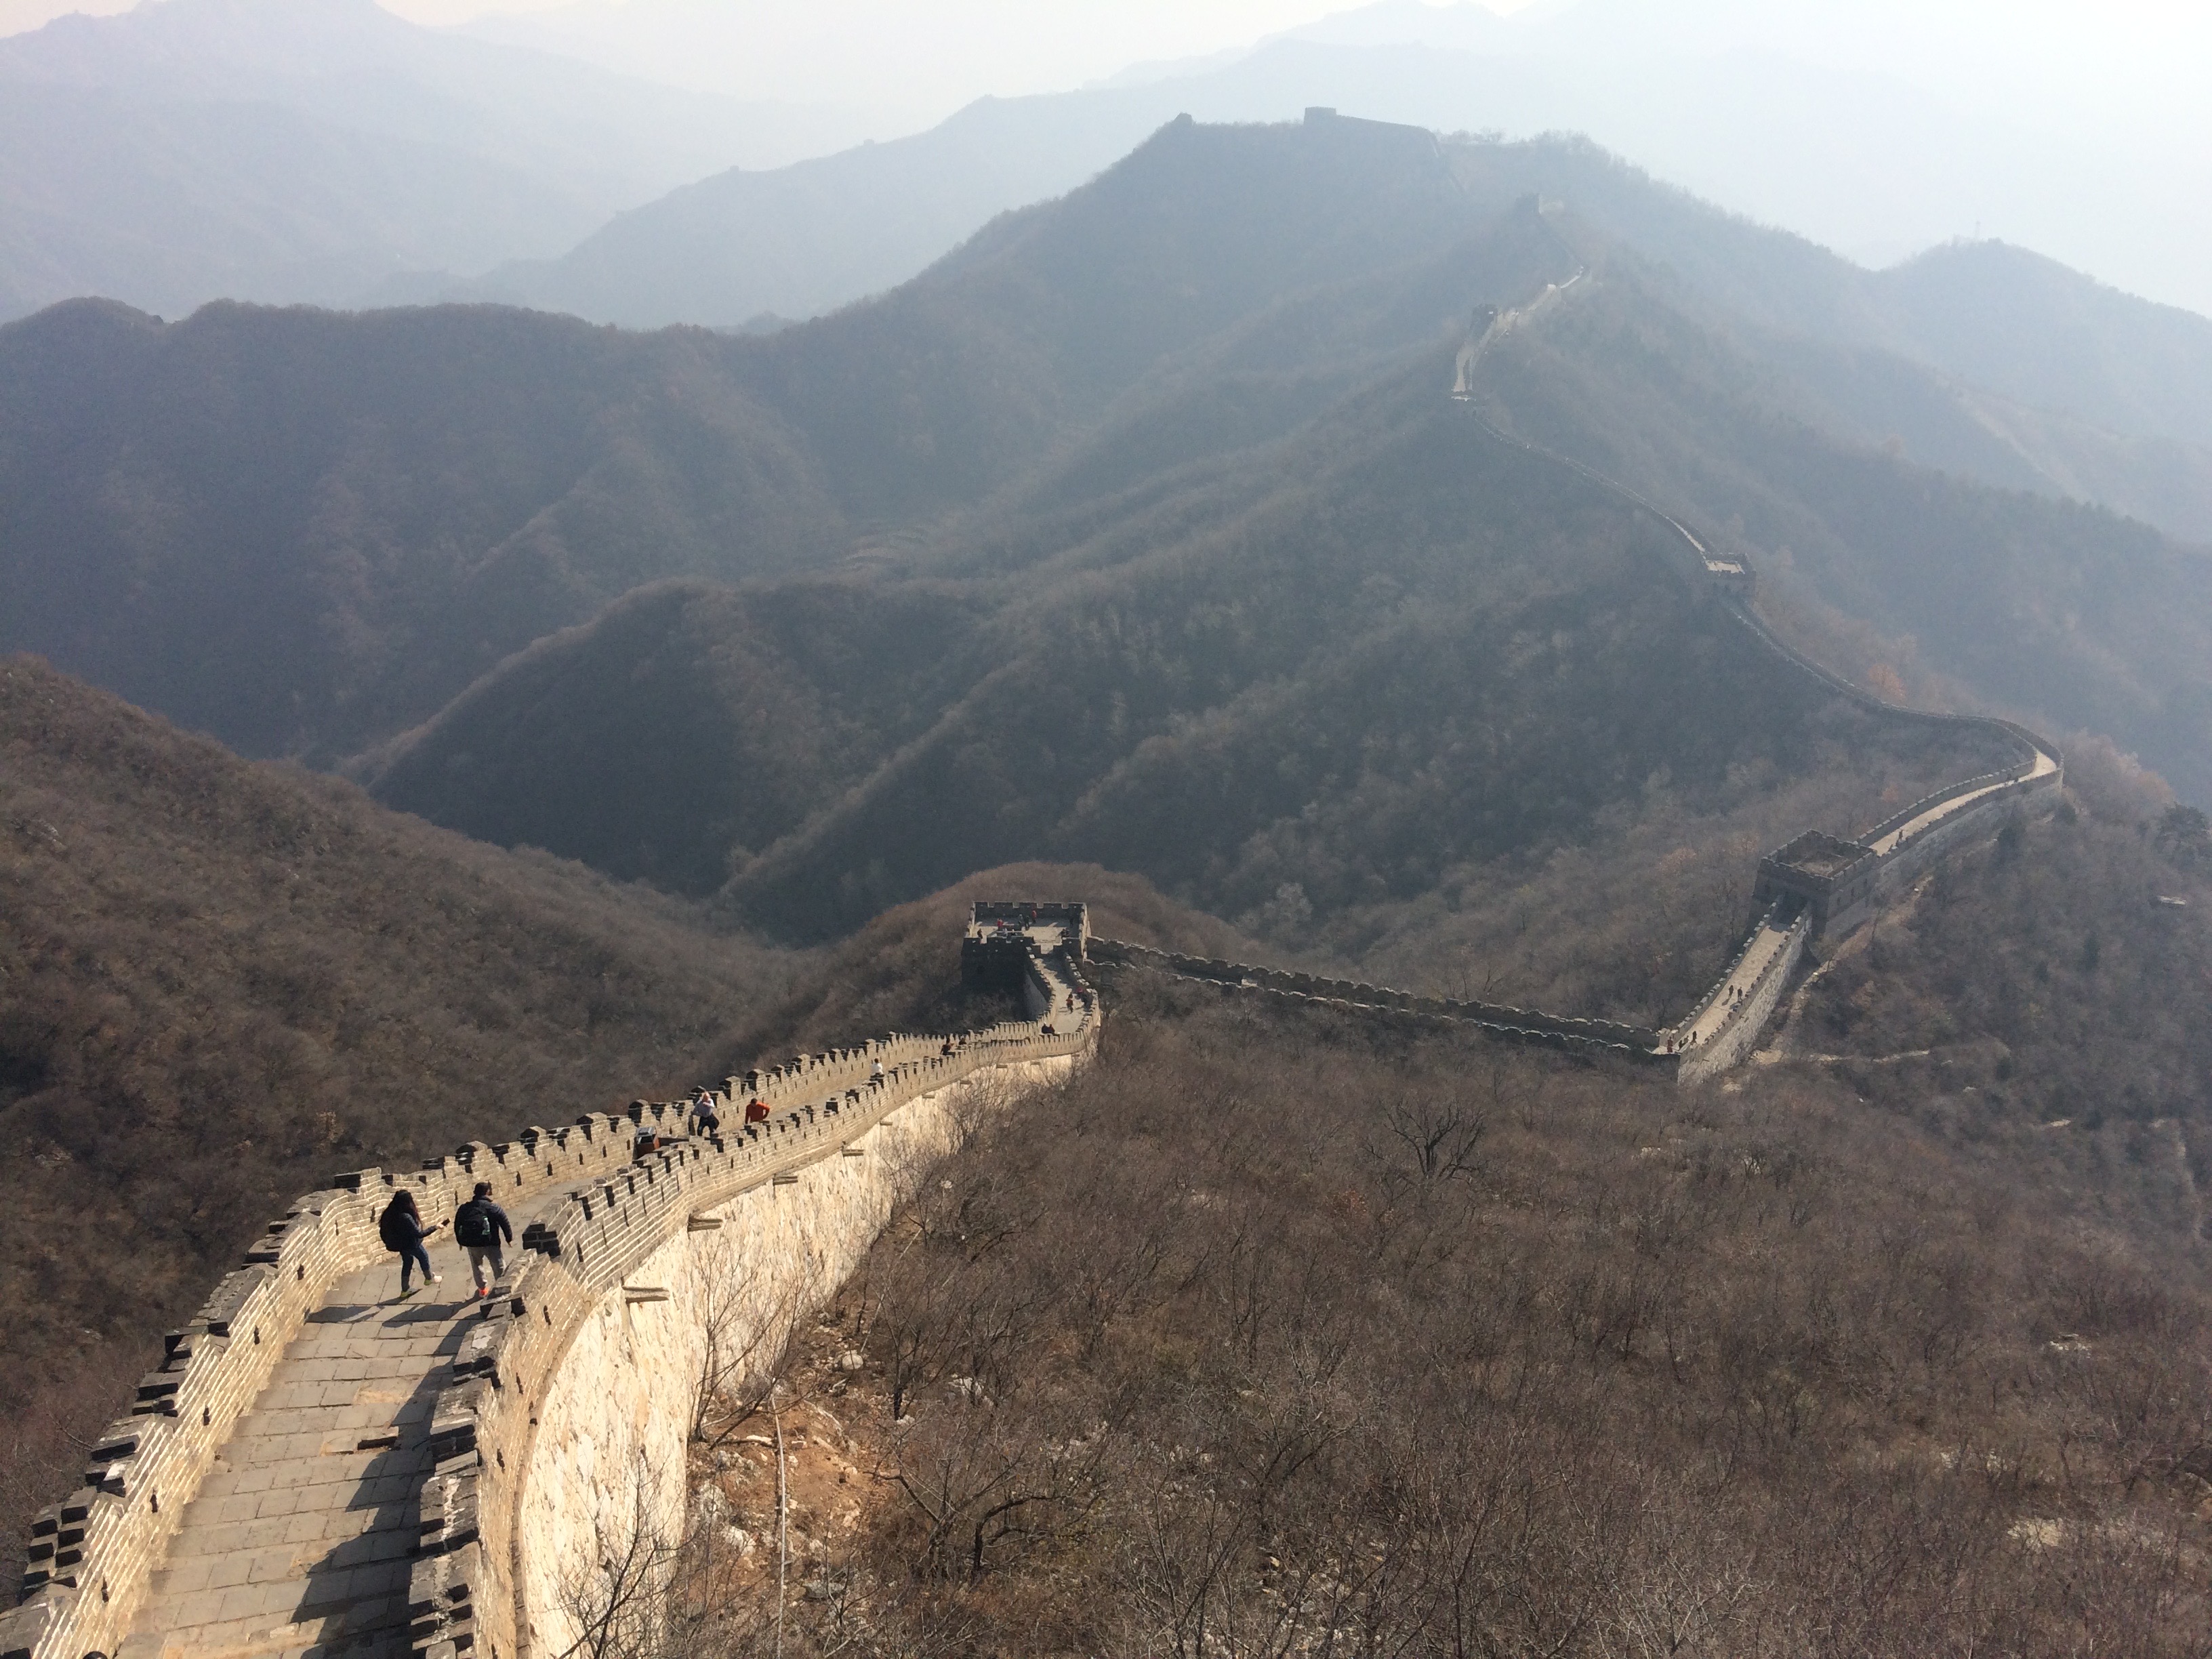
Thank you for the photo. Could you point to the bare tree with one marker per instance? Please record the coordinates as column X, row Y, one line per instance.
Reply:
column 617, row 1600
column 746, row 1331
column 1435, row 1132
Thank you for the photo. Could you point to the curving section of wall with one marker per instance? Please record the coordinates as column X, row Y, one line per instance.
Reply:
column 313, row 1468
column 509, row 1433
column 1814, row 887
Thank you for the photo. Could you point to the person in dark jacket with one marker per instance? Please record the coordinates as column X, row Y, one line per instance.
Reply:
column 401, row 1229
column 480, row 1227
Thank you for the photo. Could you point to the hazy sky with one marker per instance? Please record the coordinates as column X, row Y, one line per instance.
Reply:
column 2116, row 61
column 2079, row 127
column 1163, row 26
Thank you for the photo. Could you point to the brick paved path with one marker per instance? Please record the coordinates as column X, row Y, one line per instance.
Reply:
column 301, row 1541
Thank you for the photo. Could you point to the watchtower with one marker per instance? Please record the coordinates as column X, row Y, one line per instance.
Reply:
column 1004, row 934
column 1831, row 878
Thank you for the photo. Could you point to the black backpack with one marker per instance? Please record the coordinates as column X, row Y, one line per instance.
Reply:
column 473, row 1223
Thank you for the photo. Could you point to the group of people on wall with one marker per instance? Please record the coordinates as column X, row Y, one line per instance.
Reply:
column 482, row 1229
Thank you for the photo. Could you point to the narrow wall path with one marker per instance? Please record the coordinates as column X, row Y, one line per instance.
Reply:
column 1771, row 941
column 2044, row 766
column 301, row 1541
column 320, row 1470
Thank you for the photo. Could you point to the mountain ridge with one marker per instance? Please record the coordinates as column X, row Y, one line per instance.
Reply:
column 191, row 150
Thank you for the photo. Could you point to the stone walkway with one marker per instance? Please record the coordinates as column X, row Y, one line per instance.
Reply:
column 302, row 1540
column 1712, row 1015
column 2044, row 766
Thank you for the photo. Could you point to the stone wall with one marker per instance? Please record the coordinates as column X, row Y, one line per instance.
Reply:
column 587, row 1343
column 1911, row 859
column 1513, row 1024
column 2034, row 781
column 608, row 1447
column 1741, row 1030
column 91, row 1555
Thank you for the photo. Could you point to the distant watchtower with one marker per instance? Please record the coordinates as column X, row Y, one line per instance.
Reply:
column 1004, row 934
column 1829, row 877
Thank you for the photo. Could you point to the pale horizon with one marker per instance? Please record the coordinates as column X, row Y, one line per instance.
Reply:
column 2075, row 129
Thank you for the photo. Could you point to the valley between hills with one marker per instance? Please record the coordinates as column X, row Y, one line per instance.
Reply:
column 434, row 722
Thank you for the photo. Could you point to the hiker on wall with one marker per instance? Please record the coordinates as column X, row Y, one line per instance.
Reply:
column 480, row 1227
column 401, row 1229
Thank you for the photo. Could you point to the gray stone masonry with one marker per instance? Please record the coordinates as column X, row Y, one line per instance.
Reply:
column 302, row 1536
column 301, row 1475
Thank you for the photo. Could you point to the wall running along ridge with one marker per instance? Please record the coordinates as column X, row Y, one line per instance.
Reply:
column 570, row 1398
column 1728, row 1020
column 582, row 1346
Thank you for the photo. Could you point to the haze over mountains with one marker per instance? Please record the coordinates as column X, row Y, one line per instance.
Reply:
column 325, row 150
column 1260, row 529
column 1145, row 511
column 1877, row 127
column 308, row 150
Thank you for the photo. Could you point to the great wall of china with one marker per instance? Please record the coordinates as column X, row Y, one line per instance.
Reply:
column 313, row 1471
column 1817, row 886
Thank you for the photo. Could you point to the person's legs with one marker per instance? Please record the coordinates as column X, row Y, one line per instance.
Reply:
column 408, row 1259
column 479, row 1256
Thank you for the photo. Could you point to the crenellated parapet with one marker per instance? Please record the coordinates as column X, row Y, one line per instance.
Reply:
column 1816, row 886
column 620, row 1187
column 1595, row 1037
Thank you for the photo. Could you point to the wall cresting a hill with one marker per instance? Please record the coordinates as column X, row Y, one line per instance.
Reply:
column 1816, row 887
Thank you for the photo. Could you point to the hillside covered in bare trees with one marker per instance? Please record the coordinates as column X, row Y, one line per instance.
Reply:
column 1284, row 1333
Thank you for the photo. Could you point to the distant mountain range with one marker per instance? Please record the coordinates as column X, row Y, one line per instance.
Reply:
column 295, row 151
column 152, row 157
column 1128, row 532
column 2070, row 387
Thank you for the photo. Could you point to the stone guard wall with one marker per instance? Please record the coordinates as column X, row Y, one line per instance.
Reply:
column 91, row 1555
column 1518, row 1025
column 1747, row 1019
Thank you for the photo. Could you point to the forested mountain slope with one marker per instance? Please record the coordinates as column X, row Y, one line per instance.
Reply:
column 298, row 531
column 305, row 533
column 2084, row 619
column 1323, row 678
column 1153, row 513
column 1520, row 1356
column 2069, row 387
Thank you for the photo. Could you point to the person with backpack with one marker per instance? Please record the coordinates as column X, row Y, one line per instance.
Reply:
column 480, row 1226
column 401, row 1229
